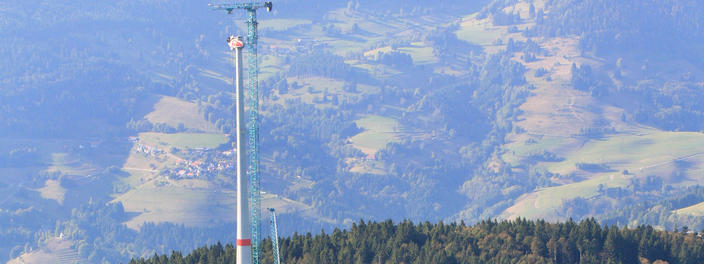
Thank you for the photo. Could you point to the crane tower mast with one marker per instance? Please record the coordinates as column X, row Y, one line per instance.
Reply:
column 274, row 234
column 253, row 122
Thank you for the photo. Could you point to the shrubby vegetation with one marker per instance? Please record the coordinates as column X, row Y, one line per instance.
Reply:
column 448, row 48
column 657, row 212
column 324, row 64
column 395, row 59
column 668, row 105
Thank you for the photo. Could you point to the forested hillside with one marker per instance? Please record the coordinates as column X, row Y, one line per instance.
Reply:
column 116, row 120
column 652, row 31
column 490, row 241
column 667, row 28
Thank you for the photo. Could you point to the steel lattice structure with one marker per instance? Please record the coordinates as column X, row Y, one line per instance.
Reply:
column 274, row 235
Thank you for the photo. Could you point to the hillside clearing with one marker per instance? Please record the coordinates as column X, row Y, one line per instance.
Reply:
column 192, row 203
column 52, row 190
column 175, row 204
column 635, row 153
column 544, row 203
column 696, row 210
column 378, row 131
column 174, row 112
column 183, row 140
column 55, row 250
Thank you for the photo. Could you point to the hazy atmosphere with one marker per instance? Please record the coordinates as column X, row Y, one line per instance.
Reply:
column 390, row 131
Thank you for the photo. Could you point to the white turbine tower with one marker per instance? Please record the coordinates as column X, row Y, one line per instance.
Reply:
column 244, row 235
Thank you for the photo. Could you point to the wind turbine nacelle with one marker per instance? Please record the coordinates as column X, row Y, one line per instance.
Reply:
column 235, row 42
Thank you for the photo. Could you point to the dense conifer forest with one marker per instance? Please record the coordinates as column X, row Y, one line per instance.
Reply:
column 490, row 241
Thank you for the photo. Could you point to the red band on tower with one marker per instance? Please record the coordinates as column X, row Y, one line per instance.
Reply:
column 244, row 242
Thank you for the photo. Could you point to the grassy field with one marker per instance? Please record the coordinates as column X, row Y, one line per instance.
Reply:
column 312, row 90
column 65, row 164
column 177, row 204
column 174, row 111
column 192, row 203
column 216, row 75
column 696, row 210
column 422, row 53
column 374, row 54
column 52, row 190
column 635, row 153
column 641, row 155
column 378, row 131
column 480, row 32
column 269, row 66
column 54, row 251
column 521, row 149
column 183, row 140
column 282, row 24
column 369, row 166
column 544, row 203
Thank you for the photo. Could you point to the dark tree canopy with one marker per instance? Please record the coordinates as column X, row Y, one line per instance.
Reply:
column 490, row 241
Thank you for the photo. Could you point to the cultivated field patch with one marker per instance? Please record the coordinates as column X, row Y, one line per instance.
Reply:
column 175, row 112
column 183, row 140
column 696, row 210
column 378, row 131
column 623, row 157
column 52, row 190
column 544, row 203
column 159, row 202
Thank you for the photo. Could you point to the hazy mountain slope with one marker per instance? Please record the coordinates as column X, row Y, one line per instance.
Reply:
column 586, row 124
column 665, row 29
column 369, row 110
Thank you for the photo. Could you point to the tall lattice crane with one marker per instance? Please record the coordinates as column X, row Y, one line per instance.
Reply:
column 253, row 124
column 274, row 234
